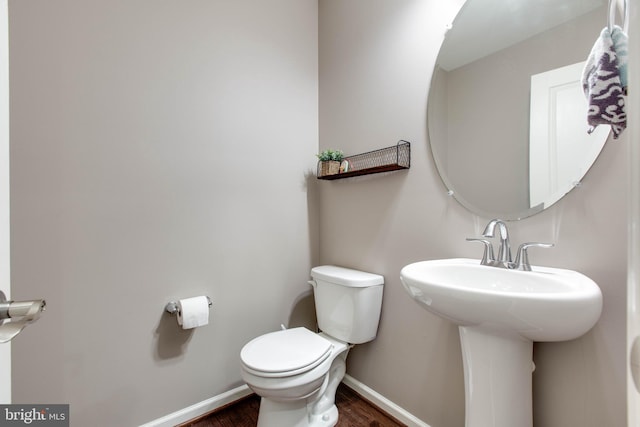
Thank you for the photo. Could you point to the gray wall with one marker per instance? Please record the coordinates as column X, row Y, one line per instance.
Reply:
column 163, row 149
column 376, row 59
column 159, row 150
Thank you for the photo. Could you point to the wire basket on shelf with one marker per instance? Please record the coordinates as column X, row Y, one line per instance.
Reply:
column 386, row 159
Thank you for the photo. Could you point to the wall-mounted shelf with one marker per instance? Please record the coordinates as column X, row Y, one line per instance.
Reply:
column 387, row 159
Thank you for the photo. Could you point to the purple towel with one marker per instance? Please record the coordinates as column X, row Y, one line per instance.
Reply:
column 603, row 88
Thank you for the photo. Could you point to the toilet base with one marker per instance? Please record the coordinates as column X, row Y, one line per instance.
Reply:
column 317, row 410
column 294, row 414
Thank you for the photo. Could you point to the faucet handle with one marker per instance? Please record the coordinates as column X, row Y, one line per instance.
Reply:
column 522, row 258
column 487, row 256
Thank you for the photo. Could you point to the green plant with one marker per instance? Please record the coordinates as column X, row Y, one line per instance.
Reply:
column 328, row 155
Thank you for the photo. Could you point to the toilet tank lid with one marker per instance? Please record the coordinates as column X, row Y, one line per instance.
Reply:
column 346, row 276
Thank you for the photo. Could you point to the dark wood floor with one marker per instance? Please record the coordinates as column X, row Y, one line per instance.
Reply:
column 354, row 411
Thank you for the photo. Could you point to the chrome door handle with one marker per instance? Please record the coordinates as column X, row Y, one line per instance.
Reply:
column 16, row 315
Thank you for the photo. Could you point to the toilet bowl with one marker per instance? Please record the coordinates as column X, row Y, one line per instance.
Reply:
column 296, row 371
column 292, row 369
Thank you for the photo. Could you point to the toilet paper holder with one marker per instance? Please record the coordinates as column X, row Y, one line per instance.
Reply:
column 172, row 306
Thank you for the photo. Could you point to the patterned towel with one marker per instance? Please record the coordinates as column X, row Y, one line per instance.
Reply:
column 620, row 45
column 602, row 81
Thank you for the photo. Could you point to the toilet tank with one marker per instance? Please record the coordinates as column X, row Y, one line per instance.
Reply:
column 348, row 302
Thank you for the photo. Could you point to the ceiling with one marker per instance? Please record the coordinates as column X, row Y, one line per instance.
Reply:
column 496, row 24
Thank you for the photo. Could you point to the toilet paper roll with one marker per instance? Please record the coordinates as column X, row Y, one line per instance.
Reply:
column 193, row 312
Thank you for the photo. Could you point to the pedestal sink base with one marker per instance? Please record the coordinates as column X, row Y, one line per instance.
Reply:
column 497, row 378
column 500, row 313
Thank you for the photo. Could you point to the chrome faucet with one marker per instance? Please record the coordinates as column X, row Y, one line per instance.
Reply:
column 504, row 259
column 522, row 258
column 504, row 253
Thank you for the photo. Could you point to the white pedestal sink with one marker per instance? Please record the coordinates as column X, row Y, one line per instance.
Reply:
column 500, row 313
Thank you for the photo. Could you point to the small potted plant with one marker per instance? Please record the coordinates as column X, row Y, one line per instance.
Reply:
column 330, row 162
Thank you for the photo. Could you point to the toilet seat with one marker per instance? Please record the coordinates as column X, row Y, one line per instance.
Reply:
column 285, row 353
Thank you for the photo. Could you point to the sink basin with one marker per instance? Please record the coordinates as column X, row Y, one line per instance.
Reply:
column 500, row 313
column 546, row 304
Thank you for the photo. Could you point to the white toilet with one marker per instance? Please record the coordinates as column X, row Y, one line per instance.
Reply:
column 296, row 371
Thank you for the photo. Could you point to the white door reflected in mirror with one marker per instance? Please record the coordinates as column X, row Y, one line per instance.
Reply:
column 560, row 149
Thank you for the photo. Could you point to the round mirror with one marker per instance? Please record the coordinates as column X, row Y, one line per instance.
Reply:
column 507, row 116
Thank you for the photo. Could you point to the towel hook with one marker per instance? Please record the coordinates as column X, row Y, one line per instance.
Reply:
column 613, row 4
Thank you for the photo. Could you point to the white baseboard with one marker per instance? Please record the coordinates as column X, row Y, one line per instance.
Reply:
column 383, row 403
column 201, row 408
